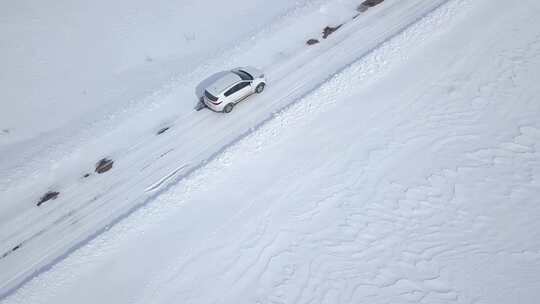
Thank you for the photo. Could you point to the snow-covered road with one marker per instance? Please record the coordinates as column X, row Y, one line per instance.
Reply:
column 412, row 175
column 145, row 164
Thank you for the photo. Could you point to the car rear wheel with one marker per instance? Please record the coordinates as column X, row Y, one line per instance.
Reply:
column 259, row 88
column 228, row 108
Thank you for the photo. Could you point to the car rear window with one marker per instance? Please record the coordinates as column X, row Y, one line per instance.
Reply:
column 243, row 75
column 210, row 96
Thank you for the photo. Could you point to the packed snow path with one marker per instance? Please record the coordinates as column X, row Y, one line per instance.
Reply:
column 411, row 176
column 33, row 238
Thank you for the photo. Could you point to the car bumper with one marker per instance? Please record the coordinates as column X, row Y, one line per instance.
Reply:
column 212, row 106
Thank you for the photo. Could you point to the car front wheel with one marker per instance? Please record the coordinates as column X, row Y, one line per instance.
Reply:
column 259, row 88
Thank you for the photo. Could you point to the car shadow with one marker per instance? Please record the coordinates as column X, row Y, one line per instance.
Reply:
column 199, row 90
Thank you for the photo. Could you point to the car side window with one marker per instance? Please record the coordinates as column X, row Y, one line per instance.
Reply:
column 236, row 88
column 242, row 85
column 231, row 90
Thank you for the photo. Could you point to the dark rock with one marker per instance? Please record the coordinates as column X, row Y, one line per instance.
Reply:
column 5, row 254
column 367, row 4
column 86, row 175
column 362, row 8
column 312, row 41
column 372, row 3
column 104, row 165
column 163, row 130
column 51, row 195
column 327, row 31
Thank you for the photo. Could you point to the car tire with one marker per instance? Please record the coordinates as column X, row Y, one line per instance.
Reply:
column 259, row 88
column 228, row 108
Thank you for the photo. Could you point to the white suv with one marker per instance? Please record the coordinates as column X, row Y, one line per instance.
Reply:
column 231, row 88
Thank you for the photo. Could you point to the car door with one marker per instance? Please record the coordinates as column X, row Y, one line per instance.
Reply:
column 238, row 91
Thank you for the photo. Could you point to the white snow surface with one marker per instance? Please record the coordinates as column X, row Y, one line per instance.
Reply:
column 396, row 161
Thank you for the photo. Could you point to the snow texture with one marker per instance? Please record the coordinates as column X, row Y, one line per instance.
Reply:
column 396, row 161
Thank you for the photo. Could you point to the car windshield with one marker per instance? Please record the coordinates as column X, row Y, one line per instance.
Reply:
column 243, row 75
column 210, row 96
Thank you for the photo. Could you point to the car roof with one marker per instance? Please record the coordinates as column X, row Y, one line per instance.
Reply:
column 222, row 83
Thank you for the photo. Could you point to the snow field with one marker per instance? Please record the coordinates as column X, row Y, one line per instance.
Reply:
column 86, row 206
column 410, row 176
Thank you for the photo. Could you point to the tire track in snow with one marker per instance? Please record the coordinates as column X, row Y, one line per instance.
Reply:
column 162, row 181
